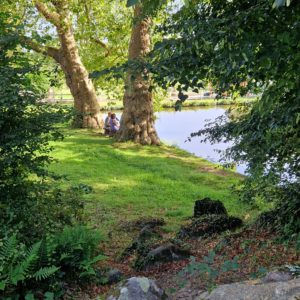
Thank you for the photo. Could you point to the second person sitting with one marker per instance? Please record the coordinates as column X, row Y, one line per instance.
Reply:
column 114, row 124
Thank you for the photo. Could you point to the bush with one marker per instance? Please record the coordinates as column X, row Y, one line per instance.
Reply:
column 34, row 258
column 27, row 126
column 75, row 251
column 45, row 266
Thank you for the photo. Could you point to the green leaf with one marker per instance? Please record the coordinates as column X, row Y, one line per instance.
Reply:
column 45, row 272
column 48, row 296
column 209, row 259
column 29, row 296
column 2, row 285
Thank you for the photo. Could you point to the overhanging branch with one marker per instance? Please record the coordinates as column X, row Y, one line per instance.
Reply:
column 49, row 15
column 45, row 50
column 102, row 44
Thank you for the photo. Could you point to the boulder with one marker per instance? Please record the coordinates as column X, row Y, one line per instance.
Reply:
column 142, row 244
column 138, row 224
column 267, row 218
column 138, row 288
column 288, row 290
column 208, row 206
column 210, row 224
column 277, row 276
column 114, row 276
column 164, row 253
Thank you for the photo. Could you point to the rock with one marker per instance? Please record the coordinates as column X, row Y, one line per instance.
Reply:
column 142, row 244
column 266, row 218
column 186, row 293
column 210, row 224
column 114, row 276
column 277, row 276
column 164, row 253
column 146, row 232
column 207, row 206
column 140, row 223
column 289, row 290
column 139, row 288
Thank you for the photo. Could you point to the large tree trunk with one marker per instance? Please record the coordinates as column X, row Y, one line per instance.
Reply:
column 85, row 99
column 86, row 105
column 137, row 121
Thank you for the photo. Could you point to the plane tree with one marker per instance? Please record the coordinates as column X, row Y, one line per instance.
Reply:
column 79, row 36
column 137, row 121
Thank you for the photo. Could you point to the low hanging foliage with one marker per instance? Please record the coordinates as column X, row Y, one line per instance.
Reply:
column 240, row 46
column 38, row 253
column 28, row 204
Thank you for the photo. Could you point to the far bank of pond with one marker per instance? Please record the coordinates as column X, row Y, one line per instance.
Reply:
column 118, row 105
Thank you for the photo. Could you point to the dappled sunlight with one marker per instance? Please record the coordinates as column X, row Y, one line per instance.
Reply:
column 129, row 180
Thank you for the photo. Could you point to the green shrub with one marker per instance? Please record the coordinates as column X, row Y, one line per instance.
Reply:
column 27, row 204
column 76, row 251
column 46, row 265
column 22, row 268
column 45, row 211
column 34, row 258
column 206, row 268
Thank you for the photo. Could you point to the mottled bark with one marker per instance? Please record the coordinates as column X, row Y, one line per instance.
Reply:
column 67, row 56
column 85, row 100
column 137, row 121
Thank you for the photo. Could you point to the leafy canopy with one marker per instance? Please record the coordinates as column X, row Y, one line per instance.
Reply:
column 239, row 46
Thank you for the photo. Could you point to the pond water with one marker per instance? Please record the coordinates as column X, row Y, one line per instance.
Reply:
column 175, row 127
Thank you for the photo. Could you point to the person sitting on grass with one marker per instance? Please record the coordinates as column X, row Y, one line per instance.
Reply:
column 114, row 124
column 106, row 123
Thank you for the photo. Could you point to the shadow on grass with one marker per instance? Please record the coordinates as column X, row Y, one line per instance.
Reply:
column 130, row 181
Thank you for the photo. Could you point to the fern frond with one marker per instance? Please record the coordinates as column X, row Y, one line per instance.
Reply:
column 8, row 247
column 32, row 256
column 45, row 273
column 22, row 270
column 3, row 284
column 43, row 254
column 92, row 261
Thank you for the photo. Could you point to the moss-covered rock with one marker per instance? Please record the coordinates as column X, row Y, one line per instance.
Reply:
column 143, row 243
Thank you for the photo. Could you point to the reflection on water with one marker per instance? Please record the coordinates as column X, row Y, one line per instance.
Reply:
column 175, row 127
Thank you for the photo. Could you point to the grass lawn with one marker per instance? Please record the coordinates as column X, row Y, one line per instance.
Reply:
column 131, row 181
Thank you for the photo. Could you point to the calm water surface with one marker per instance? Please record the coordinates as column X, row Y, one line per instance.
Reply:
column 175, row 127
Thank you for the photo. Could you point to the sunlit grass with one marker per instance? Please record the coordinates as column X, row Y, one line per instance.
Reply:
column 131, row 181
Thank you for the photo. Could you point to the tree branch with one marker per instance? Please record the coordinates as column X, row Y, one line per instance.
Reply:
column 51, row 16
column 45, row 50
column 103, row 45
column 89, row 21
